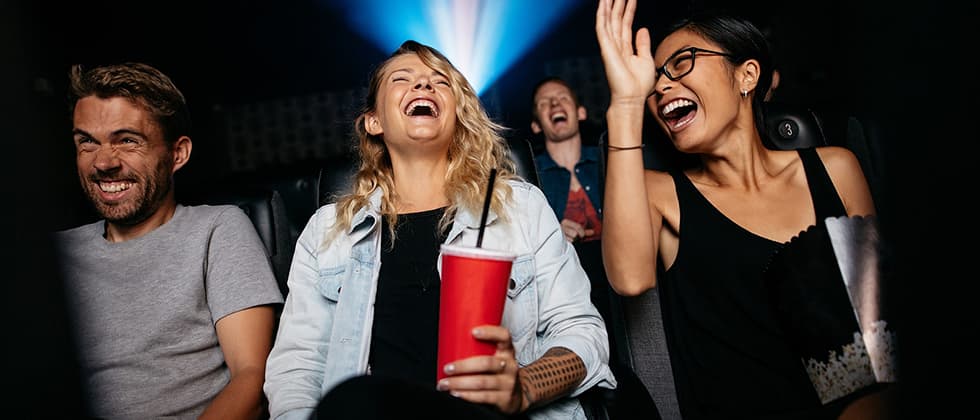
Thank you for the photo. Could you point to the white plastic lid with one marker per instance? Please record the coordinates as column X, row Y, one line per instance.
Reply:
column 474, row 252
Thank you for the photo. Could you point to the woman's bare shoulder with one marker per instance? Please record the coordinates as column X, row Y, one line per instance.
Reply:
column 848, row 178
column 837, row 158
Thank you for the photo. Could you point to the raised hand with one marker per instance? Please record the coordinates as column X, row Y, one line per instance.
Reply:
column 631, row 73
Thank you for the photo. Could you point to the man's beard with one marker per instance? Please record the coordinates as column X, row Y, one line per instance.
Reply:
column 150, row 193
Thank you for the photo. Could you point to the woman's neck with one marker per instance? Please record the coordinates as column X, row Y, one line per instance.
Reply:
column 420, row 184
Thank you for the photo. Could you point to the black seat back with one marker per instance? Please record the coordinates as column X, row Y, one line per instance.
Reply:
column 335, row 178
column 522, row 153
column 296, row 185
column 644, row 350
column 267, row 211
column 864, row 138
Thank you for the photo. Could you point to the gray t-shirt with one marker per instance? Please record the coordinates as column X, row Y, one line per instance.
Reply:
column 144, row 310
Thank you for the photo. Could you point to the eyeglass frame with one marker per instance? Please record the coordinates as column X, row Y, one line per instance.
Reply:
column 662, row 70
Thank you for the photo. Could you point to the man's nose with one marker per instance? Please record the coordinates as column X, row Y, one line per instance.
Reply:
column 106, row 158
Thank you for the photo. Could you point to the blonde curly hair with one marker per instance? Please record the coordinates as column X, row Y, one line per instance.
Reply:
column 477, row 147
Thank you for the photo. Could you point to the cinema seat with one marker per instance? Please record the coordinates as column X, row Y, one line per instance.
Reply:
column 267, row 211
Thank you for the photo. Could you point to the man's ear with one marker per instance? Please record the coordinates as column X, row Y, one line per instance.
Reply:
column 372, row 125
column 535, row 127
column 582, row 114
column 182, row 152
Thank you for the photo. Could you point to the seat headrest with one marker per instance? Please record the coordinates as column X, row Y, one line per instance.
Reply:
column 792, row 127
column 335, row 178
column 522, row 153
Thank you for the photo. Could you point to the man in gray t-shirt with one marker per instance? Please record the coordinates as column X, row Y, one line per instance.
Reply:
column 172, row 306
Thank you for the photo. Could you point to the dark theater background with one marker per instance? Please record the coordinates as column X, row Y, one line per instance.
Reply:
column 272, row 85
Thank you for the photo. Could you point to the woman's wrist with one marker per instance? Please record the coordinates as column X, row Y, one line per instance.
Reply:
column 627, row 102
column 613, row 148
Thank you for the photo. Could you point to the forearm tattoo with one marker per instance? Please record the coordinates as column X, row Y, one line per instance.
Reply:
column 554, row 375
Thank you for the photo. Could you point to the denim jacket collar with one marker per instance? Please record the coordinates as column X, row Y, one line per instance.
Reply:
column 366, row 218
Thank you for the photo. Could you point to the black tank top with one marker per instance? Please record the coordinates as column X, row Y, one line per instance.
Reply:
column 729, row 358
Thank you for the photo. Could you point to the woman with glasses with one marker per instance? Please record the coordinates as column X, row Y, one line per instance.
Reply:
column 704, row 235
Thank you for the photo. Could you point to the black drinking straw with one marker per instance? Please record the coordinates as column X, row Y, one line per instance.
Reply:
column 486, row 208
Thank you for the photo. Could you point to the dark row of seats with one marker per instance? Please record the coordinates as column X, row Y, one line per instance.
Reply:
column 281, row 202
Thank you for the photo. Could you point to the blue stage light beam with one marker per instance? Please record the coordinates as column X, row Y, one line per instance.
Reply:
column 482, row 38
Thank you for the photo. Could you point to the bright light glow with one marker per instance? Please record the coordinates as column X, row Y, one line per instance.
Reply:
column 482, row 38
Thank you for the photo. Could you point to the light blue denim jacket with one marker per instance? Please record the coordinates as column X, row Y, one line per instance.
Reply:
column 325, row 331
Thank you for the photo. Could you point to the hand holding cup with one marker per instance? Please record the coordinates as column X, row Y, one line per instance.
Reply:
column 488, row 379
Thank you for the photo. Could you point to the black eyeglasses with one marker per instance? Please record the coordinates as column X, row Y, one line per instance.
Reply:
column 681, row 62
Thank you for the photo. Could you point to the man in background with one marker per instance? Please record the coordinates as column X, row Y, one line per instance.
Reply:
column 569, row 169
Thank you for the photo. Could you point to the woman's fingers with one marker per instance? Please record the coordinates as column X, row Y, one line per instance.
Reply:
column 644, row 45
column 487, row 364
column 623, row 23
column 607, row 42
column 630, row 72
column 492, row 365
column 485, row 380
